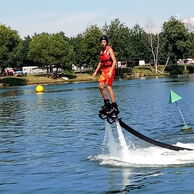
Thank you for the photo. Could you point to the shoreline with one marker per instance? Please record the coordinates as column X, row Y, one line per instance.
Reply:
column 40, row 80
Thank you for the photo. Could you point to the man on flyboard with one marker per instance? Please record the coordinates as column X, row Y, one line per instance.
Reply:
column 107, row 66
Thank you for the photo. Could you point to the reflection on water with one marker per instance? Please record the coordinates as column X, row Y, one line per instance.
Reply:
column 113, row 177
column 132, row 181
column 126, row 180
column 45, row 140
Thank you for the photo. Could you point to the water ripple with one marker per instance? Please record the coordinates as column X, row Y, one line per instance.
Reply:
column 45, row 140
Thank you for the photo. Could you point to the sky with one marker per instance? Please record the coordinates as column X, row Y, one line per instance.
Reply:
column 74, row 16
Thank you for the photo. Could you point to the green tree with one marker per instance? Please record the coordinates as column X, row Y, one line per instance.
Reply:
column 140, row 45
column 92, row 45
column 129, row 44
column 64, row 37
column 39, row 49
column 60, row 52
column 10, row 48
column 175, row 40
column 25, row 50
column 79, row 47
column 191, row 41
column 50, row 50
column 120, row 38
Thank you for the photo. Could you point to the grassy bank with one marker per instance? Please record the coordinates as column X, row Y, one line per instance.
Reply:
column 148, row 71
column 12, row 81
column 127, row 73
column 43, row 79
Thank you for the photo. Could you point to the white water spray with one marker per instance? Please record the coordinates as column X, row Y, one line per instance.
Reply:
column 117, row 152
column 122, row 142
column 116, row 147
column 109, row 142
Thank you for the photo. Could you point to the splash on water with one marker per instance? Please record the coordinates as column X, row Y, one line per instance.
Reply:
column 115, row 147
column 118, row 152
column 110, row 146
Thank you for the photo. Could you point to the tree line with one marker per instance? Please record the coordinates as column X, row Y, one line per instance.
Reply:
column 175, row 41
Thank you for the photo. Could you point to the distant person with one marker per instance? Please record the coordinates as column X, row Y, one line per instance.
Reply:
column 54, row 74
column 107, row 66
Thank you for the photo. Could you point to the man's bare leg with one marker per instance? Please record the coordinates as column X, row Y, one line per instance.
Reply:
column 102, row 90
column 111, row 93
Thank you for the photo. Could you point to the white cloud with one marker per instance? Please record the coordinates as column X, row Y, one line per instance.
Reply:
column 188, row 20
column 189, row 24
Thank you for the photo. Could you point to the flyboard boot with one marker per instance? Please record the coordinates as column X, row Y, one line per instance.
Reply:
column 112, row 114
column 104, row 109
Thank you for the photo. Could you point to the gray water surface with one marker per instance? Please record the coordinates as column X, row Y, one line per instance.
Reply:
column 46, row 141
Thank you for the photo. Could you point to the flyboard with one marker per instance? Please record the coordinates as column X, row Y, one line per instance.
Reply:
column 112, row 116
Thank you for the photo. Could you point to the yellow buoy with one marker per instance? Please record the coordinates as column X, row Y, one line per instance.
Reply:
column 39, row 89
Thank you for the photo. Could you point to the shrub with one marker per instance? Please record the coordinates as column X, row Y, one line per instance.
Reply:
column 175, row 69
column 123, row 72
column 13, row 81
column 190, row 68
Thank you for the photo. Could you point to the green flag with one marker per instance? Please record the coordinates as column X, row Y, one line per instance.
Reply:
column 174, row 97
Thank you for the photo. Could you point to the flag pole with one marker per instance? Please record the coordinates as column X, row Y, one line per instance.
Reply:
column 174, row 98
column 181, row 113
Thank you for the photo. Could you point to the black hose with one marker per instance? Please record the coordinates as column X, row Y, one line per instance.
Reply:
column 150, row 140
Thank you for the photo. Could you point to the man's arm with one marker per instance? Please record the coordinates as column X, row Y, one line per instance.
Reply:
column 97, row 69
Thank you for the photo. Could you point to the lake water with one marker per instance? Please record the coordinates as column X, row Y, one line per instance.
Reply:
column 55, row 142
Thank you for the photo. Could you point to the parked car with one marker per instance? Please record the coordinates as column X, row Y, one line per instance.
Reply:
column 12, row 72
